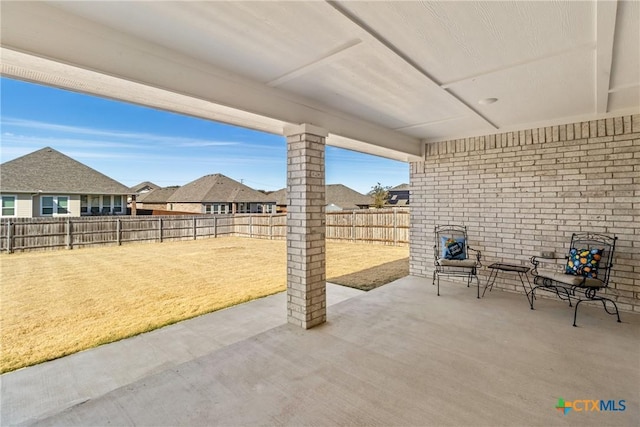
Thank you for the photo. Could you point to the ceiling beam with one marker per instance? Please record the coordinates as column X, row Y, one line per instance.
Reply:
column 377, row 38
column 327, row 58
column 605, row 31
column 431, row 123
column 558, row 54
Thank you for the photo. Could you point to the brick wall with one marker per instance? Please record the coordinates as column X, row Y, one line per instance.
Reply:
column 523, row 192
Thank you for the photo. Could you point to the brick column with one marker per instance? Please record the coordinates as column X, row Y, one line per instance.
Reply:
column 306, row 274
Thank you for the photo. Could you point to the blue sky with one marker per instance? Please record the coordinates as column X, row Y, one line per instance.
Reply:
column 132, row 144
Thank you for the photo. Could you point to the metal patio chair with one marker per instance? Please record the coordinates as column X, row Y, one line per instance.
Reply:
column 451, row 253
column 585, row 271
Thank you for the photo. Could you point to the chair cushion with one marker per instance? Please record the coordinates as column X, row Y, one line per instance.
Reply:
column 584, row 262
column 463, row 263
column 453, row 248
column 570, row 279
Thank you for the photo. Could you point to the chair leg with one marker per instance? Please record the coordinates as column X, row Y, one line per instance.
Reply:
column 604, row 305
column 566, row 291
column 533, row 296
column 438, row 284
column 614, row 305
column 575, row 313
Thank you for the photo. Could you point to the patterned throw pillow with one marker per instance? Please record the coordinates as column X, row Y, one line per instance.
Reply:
column 453, row 248
column 584, row 262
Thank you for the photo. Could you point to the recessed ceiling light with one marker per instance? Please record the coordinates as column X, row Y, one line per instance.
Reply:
column 487, row 101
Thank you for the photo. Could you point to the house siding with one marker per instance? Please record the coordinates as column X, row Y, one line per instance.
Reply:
column 197, row 208
column 523, row 192
column 24, row 205
column 74, row 205
column 157, row 206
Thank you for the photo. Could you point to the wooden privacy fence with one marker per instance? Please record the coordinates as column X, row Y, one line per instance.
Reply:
column 24, row 234
column 388, row 226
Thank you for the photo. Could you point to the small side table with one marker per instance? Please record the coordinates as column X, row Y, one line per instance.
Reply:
column 513, row 268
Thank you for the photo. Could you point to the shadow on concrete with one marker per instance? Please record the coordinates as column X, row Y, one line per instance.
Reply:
column 374, row 277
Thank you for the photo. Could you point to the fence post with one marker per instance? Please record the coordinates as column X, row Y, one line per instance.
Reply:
column 195, row 233
column 160, row 228
column 395, row 227
column 68, row 237
column 215, row 227
column 270, row 227
column 118, row 231
column 251, row 225
column 10, row 237
column 353, row 226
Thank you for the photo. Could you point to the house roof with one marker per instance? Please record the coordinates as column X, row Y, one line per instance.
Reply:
column 280, row 196
column 50, row 171
column 401, row 187
column 217, row 188
column 142, row 185
column 345, row 197
column 335, row 194
column 157, row 195
column 398, row 195
column 397, row 202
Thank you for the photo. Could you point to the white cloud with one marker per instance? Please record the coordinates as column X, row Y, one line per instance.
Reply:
column 135, row 139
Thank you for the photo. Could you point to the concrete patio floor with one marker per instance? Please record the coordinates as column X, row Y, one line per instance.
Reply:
column 397, row 355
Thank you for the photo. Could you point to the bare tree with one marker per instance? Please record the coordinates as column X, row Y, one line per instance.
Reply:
column 380, row 194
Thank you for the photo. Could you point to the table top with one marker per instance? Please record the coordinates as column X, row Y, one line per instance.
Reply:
column 509, row 267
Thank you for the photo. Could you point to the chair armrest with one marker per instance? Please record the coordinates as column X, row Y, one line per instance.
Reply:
column 478, row 255
column 536, row 260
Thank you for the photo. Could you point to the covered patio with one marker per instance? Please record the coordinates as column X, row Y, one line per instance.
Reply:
column 396, row 355
column 520, row 120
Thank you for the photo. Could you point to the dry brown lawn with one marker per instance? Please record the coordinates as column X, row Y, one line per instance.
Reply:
column 56, row 303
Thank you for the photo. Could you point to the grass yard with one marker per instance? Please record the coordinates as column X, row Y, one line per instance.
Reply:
column 57, row 303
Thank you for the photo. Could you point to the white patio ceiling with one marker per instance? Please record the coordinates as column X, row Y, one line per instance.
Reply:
column 381, row 77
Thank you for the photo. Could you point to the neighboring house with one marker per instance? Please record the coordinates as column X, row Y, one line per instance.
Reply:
column 398, row 196
column 49, row 183
column 156, row 198
column 143, row 187
column 280, row 197
column 338, row 197
column 218, row 194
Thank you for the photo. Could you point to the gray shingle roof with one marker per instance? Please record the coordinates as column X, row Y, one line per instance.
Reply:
column 157, row 195
column 217, row 188
column 280, row 196
column 336, row 194
column 401, row 187
column 50, row 171
column 137, row 188
column 345, row 197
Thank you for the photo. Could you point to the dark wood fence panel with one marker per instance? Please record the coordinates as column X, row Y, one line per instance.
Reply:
column 85, row 232
column 223, row 225
column 139, row 229
column 389, row 227
column 27, row 235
